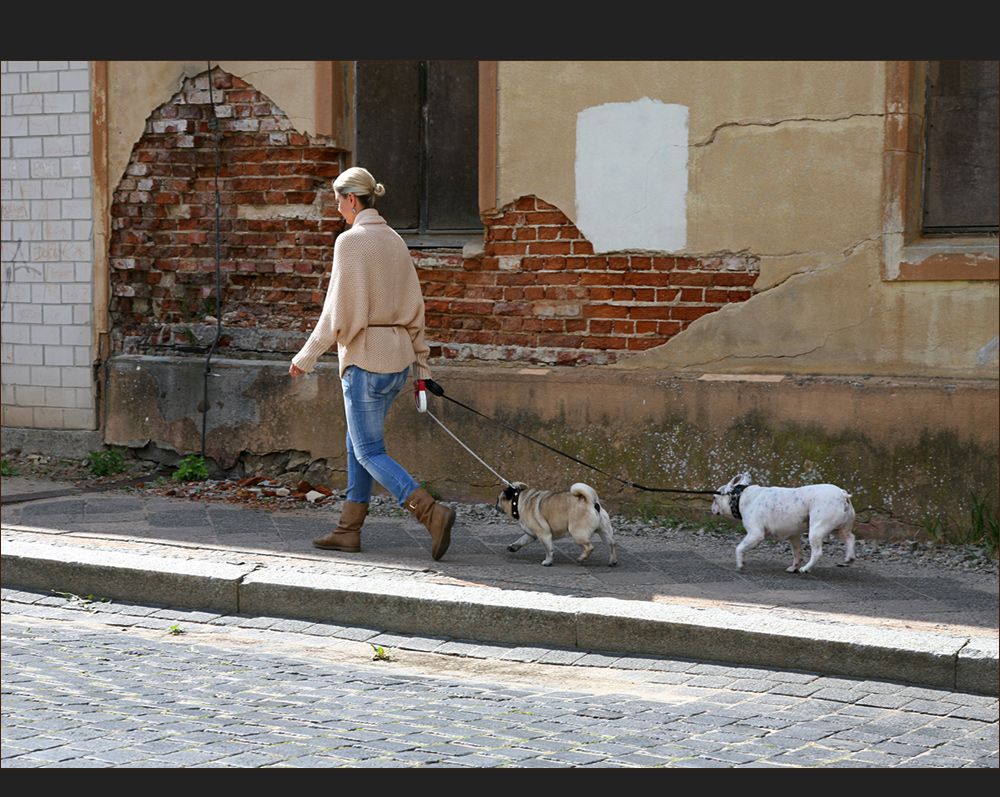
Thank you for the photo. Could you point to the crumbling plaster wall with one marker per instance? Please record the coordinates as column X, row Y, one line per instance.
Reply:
column 277, row 221
column 845, row 320
column 797, row 191
column 135, row 88
column 536, row 292
column 540, row 101
column 785, row 165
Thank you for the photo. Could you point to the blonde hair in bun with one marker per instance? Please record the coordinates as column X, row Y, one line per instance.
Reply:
column 359, row 182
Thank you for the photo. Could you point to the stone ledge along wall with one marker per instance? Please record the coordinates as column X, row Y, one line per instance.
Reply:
column 908, row 450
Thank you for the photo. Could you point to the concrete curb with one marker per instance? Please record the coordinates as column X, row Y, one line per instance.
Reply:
column 507, row 616
column 138, row 578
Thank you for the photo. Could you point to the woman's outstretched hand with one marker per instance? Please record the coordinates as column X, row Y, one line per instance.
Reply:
column 295, row 372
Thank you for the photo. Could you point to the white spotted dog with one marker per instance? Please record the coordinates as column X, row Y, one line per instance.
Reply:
column 784, row 513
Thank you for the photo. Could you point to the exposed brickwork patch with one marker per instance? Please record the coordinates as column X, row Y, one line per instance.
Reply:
column 277, row 219
column 539, row 294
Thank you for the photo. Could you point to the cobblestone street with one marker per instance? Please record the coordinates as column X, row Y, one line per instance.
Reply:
column 101, row 685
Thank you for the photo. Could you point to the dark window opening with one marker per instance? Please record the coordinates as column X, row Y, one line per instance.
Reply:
column 418, row 134
column 962, row 158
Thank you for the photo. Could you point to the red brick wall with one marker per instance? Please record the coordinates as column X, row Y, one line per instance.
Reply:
column 538, row 293
column 278, row 221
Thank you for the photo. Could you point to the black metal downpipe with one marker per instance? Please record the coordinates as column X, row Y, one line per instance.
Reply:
column 213, row 125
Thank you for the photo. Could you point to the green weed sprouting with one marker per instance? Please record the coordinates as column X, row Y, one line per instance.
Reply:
column 191, row 468
column 982, row 527
column 105, row 463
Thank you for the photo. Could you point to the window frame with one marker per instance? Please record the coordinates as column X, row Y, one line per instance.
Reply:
column 908, row 253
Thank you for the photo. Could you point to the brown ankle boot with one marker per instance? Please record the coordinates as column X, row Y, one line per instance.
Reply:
column 347, row 536
column 438, row 519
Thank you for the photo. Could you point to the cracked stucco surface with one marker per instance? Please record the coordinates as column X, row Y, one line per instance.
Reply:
column 786, row 164
column 809, row 188
column 539, row 102
column 844, row 320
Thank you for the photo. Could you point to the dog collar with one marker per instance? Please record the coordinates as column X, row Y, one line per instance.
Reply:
column 514, row 513
column 734, row 500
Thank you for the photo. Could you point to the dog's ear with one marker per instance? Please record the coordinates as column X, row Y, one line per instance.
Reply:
column 732, row 484
column 509, row 493
column 519, row 486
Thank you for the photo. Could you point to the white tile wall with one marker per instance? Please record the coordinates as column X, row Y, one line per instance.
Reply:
column 47, row 225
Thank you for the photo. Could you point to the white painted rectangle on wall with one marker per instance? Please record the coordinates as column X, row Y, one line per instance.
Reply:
column 632, row 175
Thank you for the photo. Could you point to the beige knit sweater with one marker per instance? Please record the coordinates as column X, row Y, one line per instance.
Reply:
column 374, row 310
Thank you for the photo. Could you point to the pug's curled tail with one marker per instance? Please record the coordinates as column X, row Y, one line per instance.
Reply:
column 582, row 490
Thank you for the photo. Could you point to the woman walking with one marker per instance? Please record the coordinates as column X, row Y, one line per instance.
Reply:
column 374, row 312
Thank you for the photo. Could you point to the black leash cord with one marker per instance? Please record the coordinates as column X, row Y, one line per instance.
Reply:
column 437, row 390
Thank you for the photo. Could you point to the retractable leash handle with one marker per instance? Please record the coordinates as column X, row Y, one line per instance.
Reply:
column 420, row 388
column 420, row 395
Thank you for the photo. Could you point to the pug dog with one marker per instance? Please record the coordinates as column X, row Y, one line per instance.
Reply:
column 546, row 516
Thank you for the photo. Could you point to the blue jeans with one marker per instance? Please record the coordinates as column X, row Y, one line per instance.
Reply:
column 367, row 398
